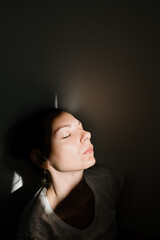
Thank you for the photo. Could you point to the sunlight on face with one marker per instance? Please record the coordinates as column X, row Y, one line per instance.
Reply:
column 71, row 147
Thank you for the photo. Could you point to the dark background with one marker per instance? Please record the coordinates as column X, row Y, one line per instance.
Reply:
column 102, row 60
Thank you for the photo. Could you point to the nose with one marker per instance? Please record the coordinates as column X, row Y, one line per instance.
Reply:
column 85, row 136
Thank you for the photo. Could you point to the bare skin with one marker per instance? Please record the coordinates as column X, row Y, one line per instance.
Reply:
column 78, row 208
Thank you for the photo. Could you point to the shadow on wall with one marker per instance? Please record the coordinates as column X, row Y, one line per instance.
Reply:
column 16, row 159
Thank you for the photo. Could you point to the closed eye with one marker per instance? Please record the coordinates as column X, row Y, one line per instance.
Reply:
column 67, row 136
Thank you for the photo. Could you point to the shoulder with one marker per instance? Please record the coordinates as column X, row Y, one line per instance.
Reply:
column 99, row 170
column 35, row 207
column 107, row 178
column 102, row 171
column 32, row 215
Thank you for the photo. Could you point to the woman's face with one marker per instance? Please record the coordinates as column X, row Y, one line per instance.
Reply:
column 71, row 148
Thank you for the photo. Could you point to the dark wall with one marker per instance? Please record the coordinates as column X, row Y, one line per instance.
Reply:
column 102, row 59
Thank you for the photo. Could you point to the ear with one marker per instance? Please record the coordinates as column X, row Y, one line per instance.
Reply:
column 38, row 159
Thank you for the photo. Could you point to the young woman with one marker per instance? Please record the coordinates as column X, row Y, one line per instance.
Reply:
column 78, row 198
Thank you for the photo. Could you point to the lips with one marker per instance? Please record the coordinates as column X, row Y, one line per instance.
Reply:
column 89, row 150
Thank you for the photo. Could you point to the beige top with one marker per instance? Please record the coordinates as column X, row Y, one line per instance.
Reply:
column 39, row 222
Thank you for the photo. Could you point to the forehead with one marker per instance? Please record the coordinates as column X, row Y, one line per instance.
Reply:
column 63, row 119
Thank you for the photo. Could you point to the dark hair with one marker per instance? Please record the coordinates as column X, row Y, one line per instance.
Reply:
column 34, row 132
column 40, row 130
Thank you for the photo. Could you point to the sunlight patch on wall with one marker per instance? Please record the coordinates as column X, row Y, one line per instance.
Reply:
column 56, row 101
column 17, row 182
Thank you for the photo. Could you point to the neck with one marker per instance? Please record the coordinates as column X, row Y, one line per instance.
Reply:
column 63, row 184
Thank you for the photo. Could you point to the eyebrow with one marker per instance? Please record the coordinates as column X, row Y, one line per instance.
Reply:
column 65, row 126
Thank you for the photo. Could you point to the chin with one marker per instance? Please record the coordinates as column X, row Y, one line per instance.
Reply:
column 90, row 163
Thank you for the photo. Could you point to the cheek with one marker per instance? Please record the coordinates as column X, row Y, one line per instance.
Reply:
column 64, row 151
